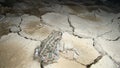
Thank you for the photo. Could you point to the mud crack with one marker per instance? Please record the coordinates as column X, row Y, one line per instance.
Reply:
column 70, row 24
column 103, row 53
column 19, row 26
column 95, row 61
column 73, row 28
column 104, row 33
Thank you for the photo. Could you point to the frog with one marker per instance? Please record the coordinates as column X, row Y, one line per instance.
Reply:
column 48, row 51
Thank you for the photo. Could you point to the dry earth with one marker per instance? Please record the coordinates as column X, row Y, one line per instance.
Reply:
column 89, row 40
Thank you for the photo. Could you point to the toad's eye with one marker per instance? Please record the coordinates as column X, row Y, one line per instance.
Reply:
column 36, row 50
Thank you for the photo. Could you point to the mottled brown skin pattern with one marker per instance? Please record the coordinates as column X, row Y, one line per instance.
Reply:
column 48, row 48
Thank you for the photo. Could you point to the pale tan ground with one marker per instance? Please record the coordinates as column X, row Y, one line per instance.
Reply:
column 33, row 28
column 64, row 63
column 96, row 35
column 87, row 53
column 17, row 52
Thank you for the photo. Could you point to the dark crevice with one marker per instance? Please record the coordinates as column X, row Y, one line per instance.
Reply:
column 70, row 24
column 95, row 61
column 112, row 59
column 93, row 42
column 116, row 39
column 97, row 48
column 113, row 39
column 104, row 33
column 19, row 26
column 118, row 17
column 77, row 36
column 103, row 52
column 73, row 29
column 41, row 64
column 27, row 37
column 81, row 36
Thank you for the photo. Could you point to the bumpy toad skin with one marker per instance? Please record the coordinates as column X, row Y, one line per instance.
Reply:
column 48, row 52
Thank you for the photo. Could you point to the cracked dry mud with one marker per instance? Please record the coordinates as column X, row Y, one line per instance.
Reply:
column 89, row 40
